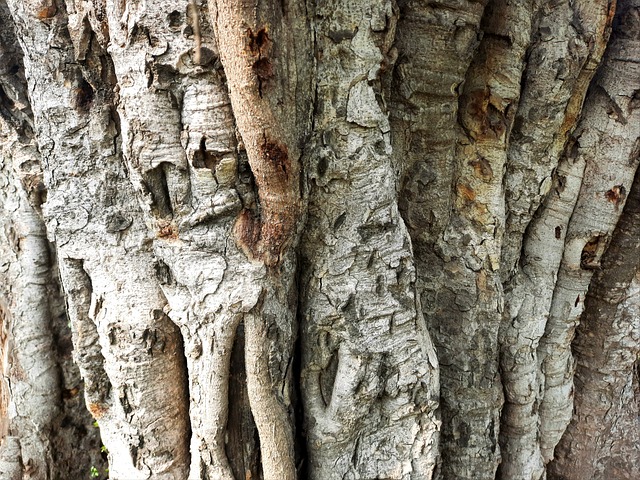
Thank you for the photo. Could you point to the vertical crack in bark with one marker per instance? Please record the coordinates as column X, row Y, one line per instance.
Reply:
column 242, row 447
column 155, row 180
column 300, row 427
column 183, row 368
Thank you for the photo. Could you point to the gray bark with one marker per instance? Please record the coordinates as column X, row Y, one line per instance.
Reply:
column 328, row 240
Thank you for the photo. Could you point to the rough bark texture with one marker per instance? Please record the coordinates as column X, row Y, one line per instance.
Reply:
column 340, row 239
column 45, row 429
column 369, row 374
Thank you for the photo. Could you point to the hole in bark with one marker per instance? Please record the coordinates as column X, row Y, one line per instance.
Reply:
column 616, row 195
column 338, row 36
column 84, row 95
column 163, row 272
column 369, row 230
column 263, row 69
column 328, row 378
column 339, row 221
column 242, row 447
column 561, row 183
column 464, row 433
column 245, row 175
column 257, row 42
column 202, row 158
column 323, row 164
column 592, row 252
column 148, row 71
column 558, row 232
column 174, row 19
column 497, row 120
column 635, row 101
column 5, row 101
column 124, row 401
column 155, row 180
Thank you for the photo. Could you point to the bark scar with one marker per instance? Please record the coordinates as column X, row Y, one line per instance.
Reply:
column 260, row 45
column 267, row 236
column 256, row 47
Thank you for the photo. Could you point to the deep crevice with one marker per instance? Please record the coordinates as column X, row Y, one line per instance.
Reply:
column 155, row 180
column 300, row 433
column 202, row 158
column 184, row 368
column 242, row 447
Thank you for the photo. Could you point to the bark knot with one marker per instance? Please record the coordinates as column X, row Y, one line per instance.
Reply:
column 276, row 158
column 265, row 235
column 259, row 45
column 616, row 195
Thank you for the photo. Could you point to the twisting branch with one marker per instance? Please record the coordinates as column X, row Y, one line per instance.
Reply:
column 265, row 50
column 262, row 51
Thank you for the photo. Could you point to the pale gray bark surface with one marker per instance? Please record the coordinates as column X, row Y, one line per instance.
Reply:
column 340, row 239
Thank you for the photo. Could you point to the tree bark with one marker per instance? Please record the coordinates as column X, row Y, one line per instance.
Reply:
column 328, row 240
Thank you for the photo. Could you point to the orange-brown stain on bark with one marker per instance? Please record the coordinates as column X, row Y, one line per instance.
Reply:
column 483, row 115
column 466, row 192
column 592, row 252
column 97, row 410
column 247, row 232
column 616, row 195
column 276, row 158
column 482, row 168
column 46, row 12
column 169, row 231
column 266, row 237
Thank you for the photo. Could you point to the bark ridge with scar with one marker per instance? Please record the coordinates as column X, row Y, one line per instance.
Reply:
column 260, row 49
column 265, row 49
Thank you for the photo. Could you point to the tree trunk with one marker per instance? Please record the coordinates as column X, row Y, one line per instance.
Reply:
column 327, row 240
